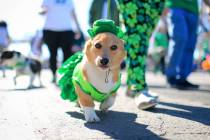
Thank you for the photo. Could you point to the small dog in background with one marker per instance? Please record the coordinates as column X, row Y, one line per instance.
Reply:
column 23, row 65
column 203, row 42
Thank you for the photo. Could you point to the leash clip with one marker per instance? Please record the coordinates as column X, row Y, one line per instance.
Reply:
column 107, row 75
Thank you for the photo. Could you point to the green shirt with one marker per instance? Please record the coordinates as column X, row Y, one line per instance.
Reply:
column 189, row 5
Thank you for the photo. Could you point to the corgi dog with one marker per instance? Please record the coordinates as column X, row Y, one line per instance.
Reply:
column 96, row 76
column 22, row 65
column 101, row 67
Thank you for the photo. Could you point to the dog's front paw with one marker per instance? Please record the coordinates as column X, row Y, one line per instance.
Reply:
column 90, row 114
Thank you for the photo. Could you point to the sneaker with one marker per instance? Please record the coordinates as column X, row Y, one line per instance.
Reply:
column 144, row 100
column 149, row 93
column 181, row 84
column 187, row 84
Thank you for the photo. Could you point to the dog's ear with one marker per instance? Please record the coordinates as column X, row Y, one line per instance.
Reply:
column 87, row 48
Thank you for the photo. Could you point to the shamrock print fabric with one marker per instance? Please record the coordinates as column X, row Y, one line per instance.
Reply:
column 139, row 18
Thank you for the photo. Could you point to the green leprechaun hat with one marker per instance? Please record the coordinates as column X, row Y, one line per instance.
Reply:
column 105, row 25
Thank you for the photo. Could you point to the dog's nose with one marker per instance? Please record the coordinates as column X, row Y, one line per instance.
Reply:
column 104, row 61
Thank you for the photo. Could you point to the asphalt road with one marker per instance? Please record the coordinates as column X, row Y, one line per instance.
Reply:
column 40, row 114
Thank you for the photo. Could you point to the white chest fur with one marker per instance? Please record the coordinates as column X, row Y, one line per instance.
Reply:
column 97, row 78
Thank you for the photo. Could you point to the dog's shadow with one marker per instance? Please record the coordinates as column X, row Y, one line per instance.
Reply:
column 118, row 125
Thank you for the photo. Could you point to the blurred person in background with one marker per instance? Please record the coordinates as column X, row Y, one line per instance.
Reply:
column 140, row 18
column 78, row 42
column 182, row 22
column 4, row 36
column 99, row 10
column 203, row 44
column 58, row 29
column 4, row 40
column 159, row 45
column 207, row 2
column 36, row 44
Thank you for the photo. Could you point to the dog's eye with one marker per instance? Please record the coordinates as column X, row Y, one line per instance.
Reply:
column 114, row 47
column 98, row 45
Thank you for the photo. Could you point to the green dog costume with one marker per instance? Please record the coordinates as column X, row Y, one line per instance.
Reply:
column 71, row 74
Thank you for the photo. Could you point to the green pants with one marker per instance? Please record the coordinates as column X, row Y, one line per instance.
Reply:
column 140, row 18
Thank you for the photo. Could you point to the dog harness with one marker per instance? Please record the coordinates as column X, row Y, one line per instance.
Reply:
column 89, row 89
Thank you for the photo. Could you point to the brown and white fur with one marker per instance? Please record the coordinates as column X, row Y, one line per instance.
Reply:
column 100, row 66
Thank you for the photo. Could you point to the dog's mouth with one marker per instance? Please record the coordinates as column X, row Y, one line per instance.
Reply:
column 104, row 67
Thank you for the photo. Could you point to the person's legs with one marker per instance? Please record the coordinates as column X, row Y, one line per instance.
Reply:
column 186, row 65
column 140, row 19
column 66, row 42
column 187, row 60
column 178, row 33
column 51, row 39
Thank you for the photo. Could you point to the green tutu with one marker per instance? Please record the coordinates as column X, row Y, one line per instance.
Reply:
column 66, row 72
